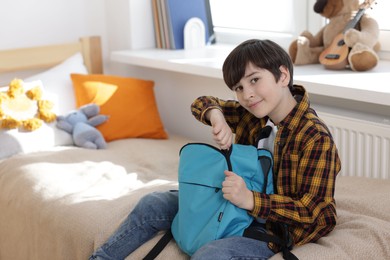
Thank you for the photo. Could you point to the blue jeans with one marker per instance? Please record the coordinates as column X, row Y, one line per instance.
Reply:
column 155, row 212
column 234, row 248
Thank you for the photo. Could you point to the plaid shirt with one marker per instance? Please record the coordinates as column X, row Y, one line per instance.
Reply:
column 306, row 163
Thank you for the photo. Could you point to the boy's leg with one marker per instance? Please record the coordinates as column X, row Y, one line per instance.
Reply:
column 153, row 213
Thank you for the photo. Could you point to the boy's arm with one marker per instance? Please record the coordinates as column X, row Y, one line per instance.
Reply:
column 223, row 116
column 311, row 195
column 230, row 109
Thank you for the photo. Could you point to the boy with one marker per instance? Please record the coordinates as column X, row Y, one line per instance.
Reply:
column 306, row 162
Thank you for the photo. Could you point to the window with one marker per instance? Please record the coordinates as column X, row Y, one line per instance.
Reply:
column 380, row 11
column 237, row 20
column 279, row 20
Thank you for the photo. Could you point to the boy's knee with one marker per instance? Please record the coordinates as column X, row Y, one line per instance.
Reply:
column 153, row 198
column 147, row 201
column 148, row 198
column 158, row 200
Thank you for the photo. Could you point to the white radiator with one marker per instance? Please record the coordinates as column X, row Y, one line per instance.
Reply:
column 364, row 146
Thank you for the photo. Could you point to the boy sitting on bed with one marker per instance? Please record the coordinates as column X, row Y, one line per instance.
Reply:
column 306, row 160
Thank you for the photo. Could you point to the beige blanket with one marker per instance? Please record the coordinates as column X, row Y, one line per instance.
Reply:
column 65, row 202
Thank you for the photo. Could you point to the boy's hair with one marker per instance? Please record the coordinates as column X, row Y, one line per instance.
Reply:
column 264, row 54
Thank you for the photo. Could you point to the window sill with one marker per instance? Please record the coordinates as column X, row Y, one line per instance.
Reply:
column 371, row 86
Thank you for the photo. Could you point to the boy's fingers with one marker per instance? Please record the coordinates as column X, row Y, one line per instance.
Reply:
column 228, row 173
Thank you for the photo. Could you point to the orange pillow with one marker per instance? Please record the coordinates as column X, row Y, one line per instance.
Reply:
column 129, row 102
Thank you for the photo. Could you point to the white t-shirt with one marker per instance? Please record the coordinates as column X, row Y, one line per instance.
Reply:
column 268, row 142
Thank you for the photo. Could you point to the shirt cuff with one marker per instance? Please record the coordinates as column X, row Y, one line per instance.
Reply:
column 262, row 207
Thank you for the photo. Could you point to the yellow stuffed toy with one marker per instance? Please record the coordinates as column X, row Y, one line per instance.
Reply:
column 340, row 44
column 25, row 110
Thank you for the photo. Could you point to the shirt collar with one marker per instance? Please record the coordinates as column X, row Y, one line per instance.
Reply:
column 291, row 121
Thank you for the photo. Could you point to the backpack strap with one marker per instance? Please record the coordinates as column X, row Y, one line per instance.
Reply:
column 161, row 244
column 266, row 162
column 263, row 133
column 284, row 243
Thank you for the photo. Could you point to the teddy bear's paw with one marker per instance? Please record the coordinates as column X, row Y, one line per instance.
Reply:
column 302, row 50
column 308, row 35
column 362, row 58
column 351, row 37
column 303, row 42
column 306, row 54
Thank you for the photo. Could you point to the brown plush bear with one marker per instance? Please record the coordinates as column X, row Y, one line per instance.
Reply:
column 356, row 47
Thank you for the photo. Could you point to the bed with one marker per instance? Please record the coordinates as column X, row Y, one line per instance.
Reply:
column 59, row 201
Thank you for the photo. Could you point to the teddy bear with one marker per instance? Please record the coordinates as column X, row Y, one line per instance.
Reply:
column 340, row 44
column 81, row 125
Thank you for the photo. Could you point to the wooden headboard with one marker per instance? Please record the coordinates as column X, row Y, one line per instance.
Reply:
column 44, row 57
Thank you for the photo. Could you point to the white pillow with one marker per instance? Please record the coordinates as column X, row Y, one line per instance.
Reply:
column 48, row 135
column 58, row 84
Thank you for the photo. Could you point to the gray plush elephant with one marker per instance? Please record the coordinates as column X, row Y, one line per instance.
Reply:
column 81, row 125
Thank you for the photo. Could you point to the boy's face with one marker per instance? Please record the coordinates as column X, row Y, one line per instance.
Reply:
column 261, row 95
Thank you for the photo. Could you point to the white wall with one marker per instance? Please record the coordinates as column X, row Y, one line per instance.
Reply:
column 25, row 23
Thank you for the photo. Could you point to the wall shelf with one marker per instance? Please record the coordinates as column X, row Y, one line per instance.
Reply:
column 371, row 86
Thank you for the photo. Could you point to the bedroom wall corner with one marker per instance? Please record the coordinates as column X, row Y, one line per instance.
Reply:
column 129, row 24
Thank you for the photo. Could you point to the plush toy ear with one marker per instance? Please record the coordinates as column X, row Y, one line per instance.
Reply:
column 90, row 110
column 97, row 120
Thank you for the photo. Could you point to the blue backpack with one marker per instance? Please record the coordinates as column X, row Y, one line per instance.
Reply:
column 204, row 215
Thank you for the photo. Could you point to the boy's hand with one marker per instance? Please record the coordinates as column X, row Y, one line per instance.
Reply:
column 234, row 190
column 222, row 134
